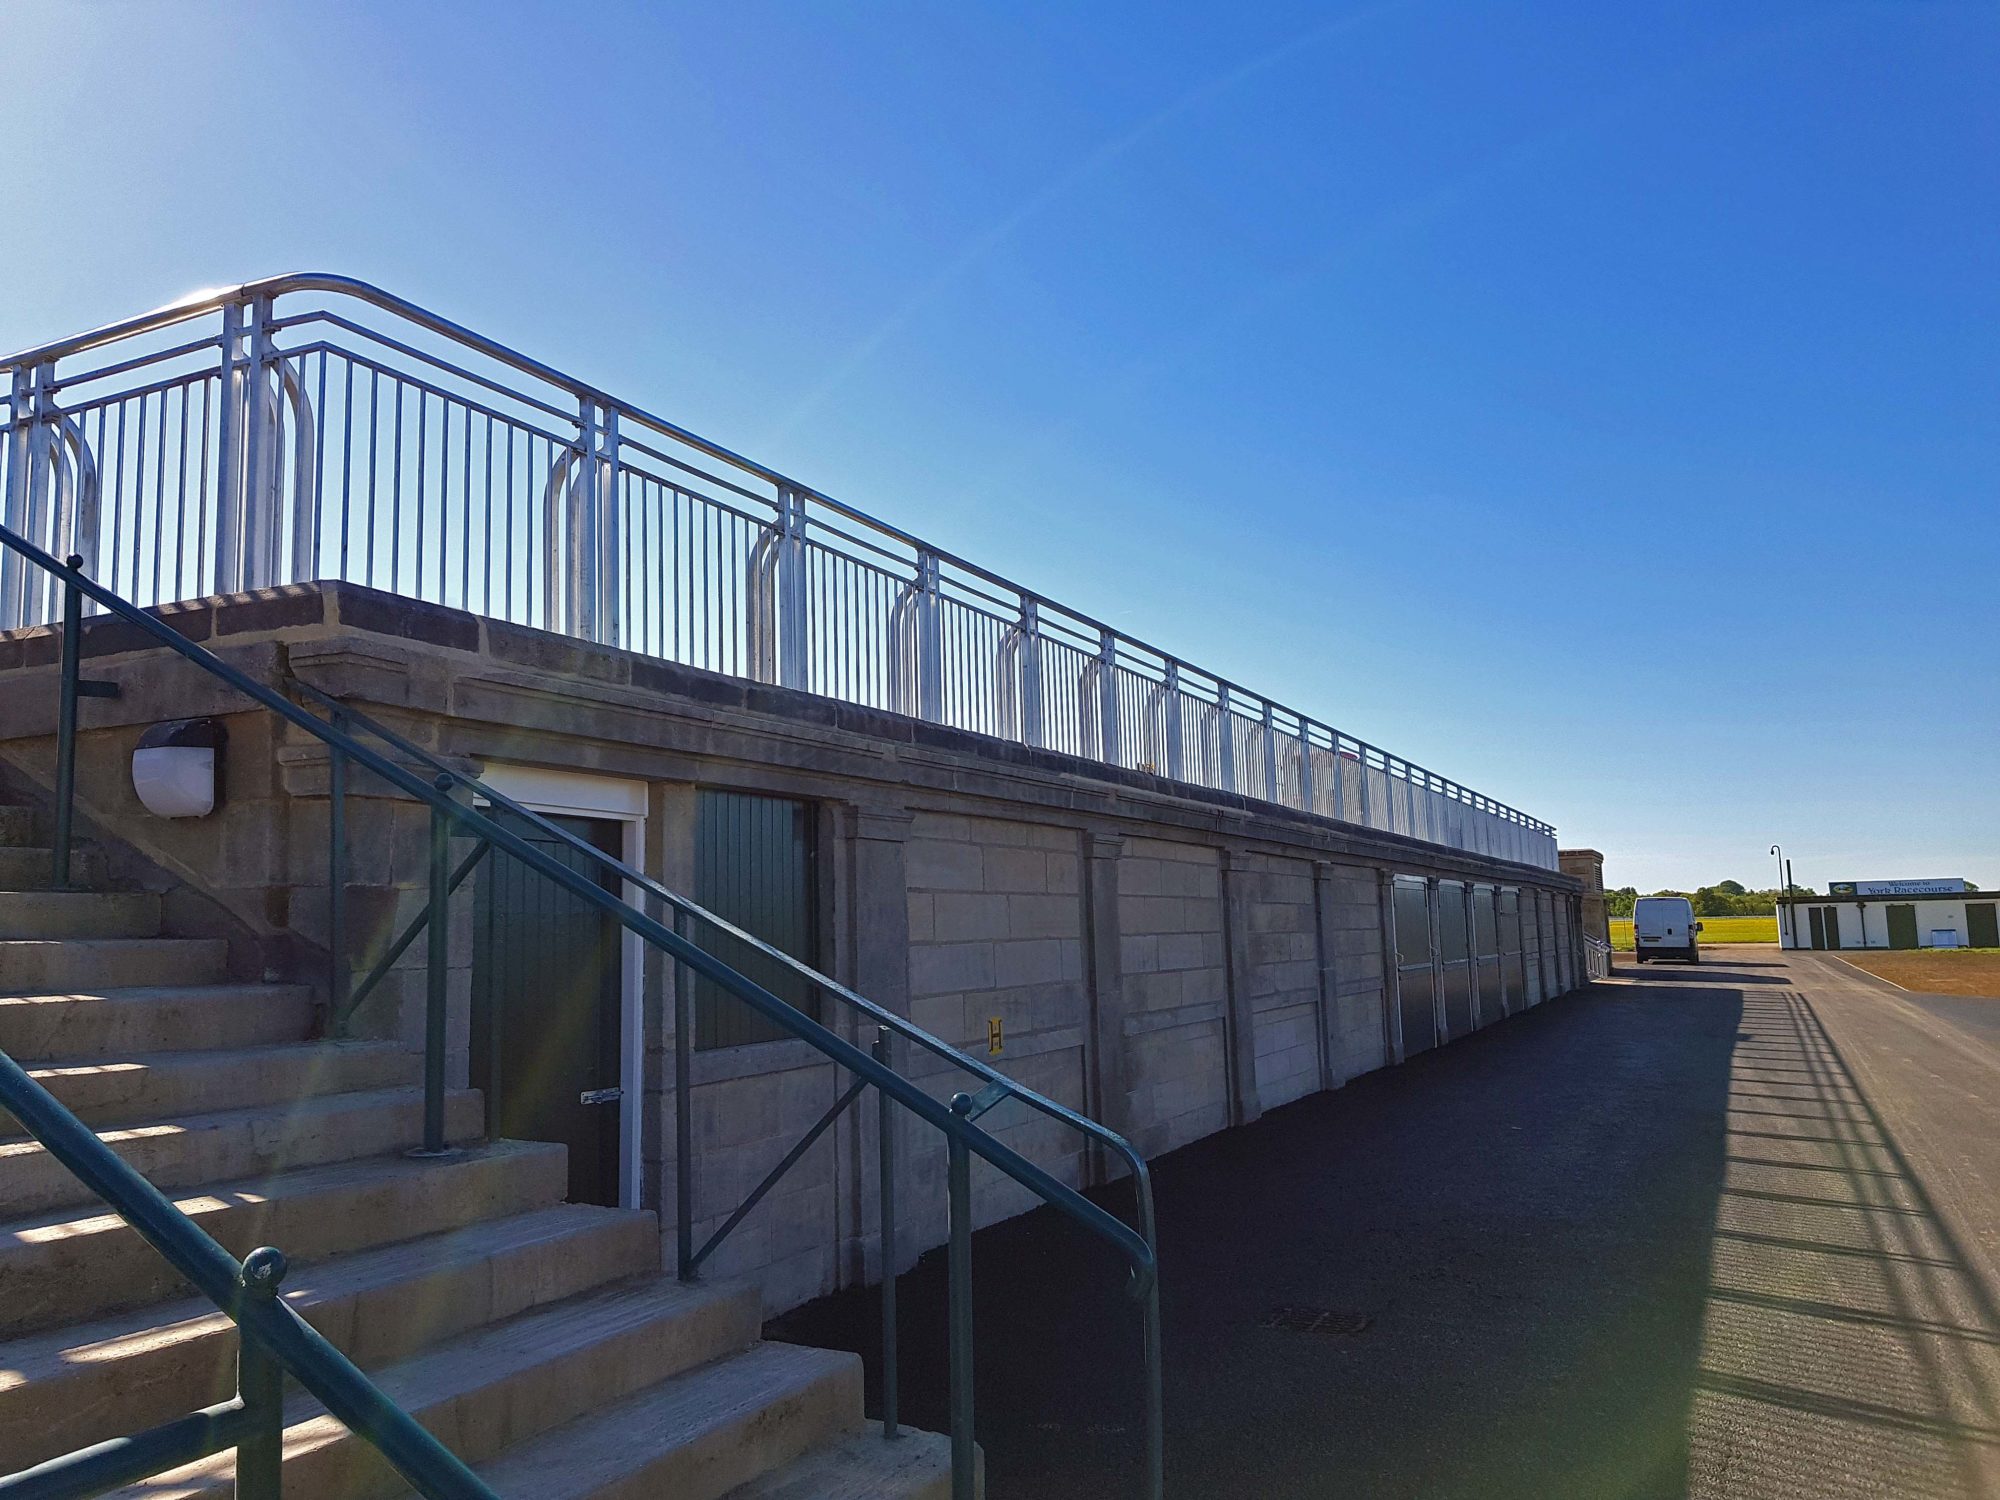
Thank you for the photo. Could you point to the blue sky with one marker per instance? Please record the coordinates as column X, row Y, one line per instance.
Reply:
column 1599, row 403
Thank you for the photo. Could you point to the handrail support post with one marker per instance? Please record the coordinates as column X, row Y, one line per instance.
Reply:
column 964, row 1477
column 437, row 977
column 683, row 976
column 260, row 1386
column 339, row 976
column 885, row 1141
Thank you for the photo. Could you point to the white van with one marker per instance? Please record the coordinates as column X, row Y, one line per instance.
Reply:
column 1664, row 927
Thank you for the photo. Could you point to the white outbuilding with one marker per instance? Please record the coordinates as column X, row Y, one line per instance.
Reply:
column 1944, row 913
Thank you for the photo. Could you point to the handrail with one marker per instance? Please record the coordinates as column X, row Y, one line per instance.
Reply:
column 269, row 288
column 951, row 1119
column 902, row 1026
column 433, row 1469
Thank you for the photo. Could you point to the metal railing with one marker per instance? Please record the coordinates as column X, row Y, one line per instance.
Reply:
column 273, row 1341
column 1596, row 957
column 315, row 427
column 451, row 816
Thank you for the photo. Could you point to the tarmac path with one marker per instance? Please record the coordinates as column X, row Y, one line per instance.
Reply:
column 1716, row 1231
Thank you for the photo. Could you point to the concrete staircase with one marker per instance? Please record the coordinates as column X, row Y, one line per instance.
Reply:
column 538, row 1339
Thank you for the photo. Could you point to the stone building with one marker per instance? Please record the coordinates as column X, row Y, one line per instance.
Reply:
column 571, row 821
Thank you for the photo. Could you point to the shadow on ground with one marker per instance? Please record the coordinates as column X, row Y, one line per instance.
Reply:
column 1645, row 1241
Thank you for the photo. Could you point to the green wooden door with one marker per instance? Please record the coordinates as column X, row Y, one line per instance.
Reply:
column 1902, row 927
column 1833, row 927
column 546, row 981
column 1816, row 919
column 1982, row 924
column 753, row 866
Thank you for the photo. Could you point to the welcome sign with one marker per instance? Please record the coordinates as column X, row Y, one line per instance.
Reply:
column 1953, row 887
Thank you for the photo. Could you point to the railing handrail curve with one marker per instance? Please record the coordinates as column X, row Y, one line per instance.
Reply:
column 901, row 1025
column 1056, row 1194
column 272, row 287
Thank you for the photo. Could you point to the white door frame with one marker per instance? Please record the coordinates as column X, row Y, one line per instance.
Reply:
column 620, row 800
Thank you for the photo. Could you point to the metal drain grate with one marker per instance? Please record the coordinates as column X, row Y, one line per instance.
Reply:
column 1326, row 1322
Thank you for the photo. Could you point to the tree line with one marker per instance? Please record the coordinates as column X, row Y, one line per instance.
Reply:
column 1726, row 898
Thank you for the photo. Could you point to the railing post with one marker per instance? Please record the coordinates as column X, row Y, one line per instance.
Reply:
column 260, row 1386
column 44, row 471
column 1270, row 755
column 1033, row 731
column 580, row 510
column 610, row 541
column 437, row 957
column 1305, row 766
column 963, row 1461
column 1176, row 752
column 885, row 1140
column 792, row 592
column 15, row 580
column 683, row 1113
column 1107, row 699
column 260, row 524
column 930, row 641
column 339, row 976
column 1225, row 738
column 229, row 487
column 72, row 656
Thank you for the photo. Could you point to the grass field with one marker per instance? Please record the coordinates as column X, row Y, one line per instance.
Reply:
column 1713, row 930
column 1936, row 971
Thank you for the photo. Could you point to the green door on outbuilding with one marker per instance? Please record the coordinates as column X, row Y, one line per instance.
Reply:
column 1982, row 924
column 1902, row 927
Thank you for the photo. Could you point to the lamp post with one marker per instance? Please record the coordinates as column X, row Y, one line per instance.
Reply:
column 1791, row 923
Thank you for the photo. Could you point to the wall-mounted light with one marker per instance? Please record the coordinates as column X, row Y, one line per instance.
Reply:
column 177, row 768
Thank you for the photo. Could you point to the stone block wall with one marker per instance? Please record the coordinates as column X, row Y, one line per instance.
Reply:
column 1352, row 970
column 997, row 938
column 1274, row 913
column 1173, row 995
column 1166, row 959
column 1586, row 866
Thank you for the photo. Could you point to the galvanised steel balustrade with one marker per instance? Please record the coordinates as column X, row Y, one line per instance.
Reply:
column 250, row 1424
column 1596, row 957
column 315, row 427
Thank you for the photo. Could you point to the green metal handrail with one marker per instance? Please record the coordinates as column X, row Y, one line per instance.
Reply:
column 998, row 1087
column 448, row 814
column 274, row 1340
column 901, row 1026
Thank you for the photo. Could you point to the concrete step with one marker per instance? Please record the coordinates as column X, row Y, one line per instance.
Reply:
column 239, row 1143
column 865, row 1466
column 695, row 1437
column 28, row 966
column 67, row 1267
column 510, row 1383
column 17, row 826
column 79, row 914
column 84, row 1384
column 163, row 1085
column 98, row 1022
column 26, row 867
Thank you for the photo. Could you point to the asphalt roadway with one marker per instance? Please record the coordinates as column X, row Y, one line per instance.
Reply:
column 1727, row 1231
